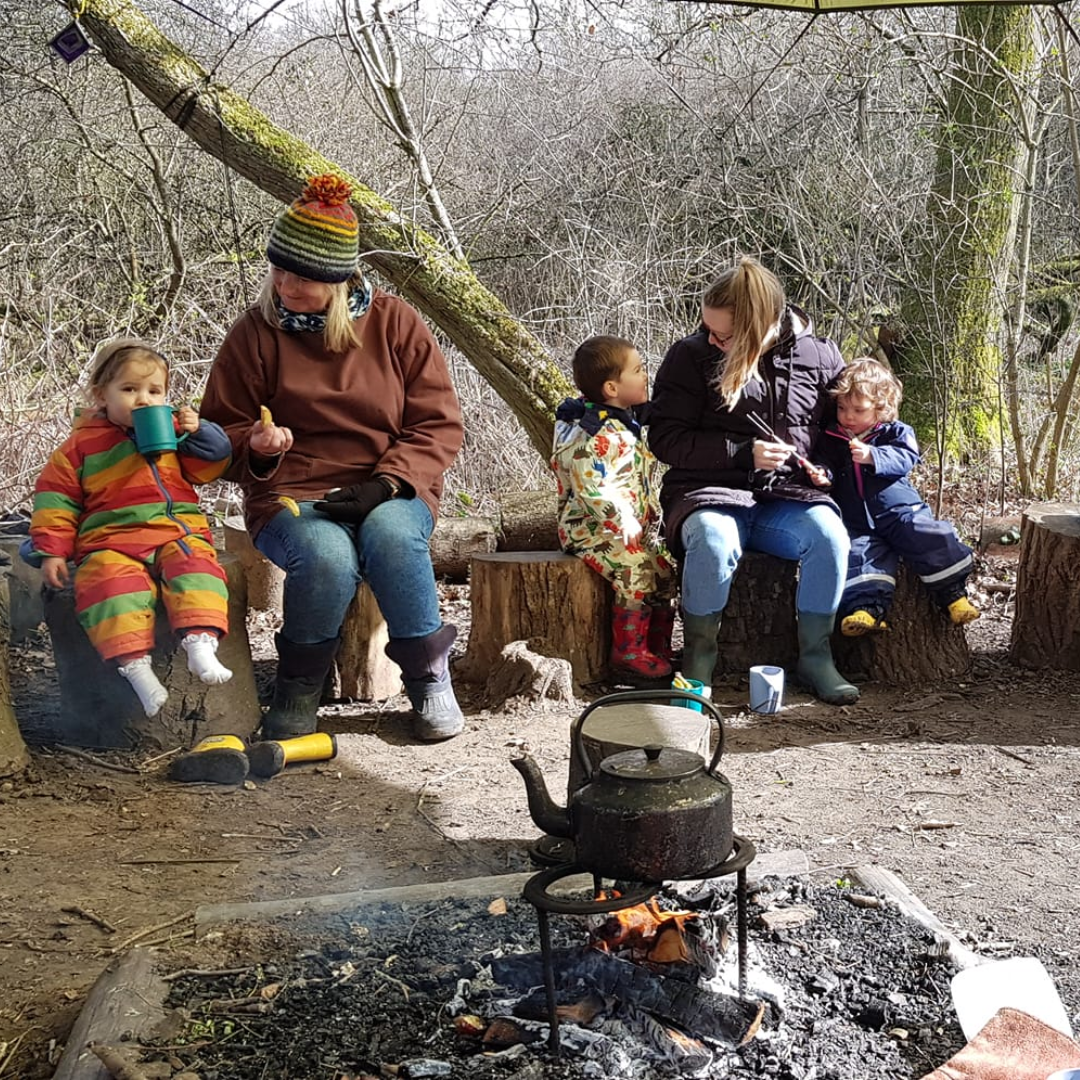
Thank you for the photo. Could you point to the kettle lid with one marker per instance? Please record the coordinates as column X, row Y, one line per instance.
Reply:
column 653, row 762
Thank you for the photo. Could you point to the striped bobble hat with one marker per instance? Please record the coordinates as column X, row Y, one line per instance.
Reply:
column 316, row 236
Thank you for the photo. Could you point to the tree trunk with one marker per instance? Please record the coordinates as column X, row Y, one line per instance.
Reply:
column 228, row 127
column 528, row 520
column 1046, row 626
column 551, row 600
column 456, row 541
column 955, row 304
column 13, row 754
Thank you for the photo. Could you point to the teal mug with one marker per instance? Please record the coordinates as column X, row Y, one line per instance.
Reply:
column 155, row 431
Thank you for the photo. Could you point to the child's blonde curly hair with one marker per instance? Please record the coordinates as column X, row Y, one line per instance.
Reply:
column 872, row 379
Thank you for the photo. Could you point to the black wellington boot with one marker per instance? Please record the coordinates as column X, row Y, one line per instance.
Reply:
column 426, row 674
column 298, row 687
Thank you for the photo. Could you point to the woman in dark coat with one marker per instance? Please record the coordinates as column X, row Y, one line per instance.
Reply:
column 736, row 410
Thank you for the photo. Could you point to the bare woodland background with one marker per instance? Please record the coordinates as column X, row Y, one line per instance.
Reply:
column 910, row 174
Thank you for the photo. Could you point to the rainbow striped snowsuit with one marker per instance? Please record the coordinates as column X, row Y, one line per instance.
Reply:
column 135, row 530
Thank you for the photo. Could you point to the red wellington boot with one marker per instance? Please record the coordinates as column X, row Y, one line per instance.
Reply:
column 629, row 630
column 661, row 623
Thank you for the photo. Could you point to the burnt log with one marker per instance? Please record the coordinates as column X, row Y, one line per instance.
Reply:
column 759, row 627
column 98, row 708
column 718, row 1017
column 549, row 599
column 1046, row 625
column 13, row 753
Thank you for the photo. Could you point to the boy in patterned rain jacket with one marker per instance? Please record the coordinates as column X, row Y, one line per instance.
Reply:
column 133, row 526
column 608, row 514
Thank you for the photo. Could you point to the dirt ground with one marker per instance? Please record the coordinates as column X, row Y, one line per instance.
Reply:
column 970, row 792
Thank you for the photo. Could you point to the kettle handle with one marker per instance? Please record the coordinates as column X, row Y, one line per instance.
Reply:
column 625, row 697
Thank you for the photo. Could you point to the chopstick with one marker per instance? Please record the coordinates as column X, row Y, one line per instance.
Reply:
column 766, row 430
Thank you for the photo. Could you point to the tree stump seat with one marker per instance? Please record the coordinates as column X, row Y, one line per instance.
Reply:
column 759, row 627
column 554, row 601
column 1046, row 624
column 98, row 708
column 549, row 599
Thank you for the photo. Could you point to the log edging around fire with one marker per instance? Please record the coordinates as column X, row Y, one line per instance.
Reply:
column 791, row 863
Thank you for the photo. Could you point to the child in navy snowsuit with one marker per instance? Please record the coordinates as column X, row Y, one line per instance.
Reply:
column 870, row 453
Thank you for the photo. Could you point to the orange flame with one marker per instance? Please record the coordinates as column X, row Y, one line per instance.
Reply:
column 640, row 926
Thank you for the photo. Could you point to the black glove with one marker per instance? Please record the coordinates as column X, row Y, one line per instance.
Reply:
column 354, row 503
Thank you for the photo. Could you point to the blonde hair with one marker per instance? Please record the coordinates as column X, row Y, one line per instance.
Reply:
column 112, row 356
column 872, row 379
column 340, row 334
column 598, row 359
column 755, row 298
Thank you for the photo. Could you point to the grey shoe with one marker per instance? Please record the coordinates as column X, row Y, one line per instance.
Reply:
column 436, row 713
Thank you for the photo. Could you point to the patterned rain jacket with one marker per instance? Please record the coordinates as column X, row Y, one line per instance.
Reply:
column 98, row 493
column 603, row 468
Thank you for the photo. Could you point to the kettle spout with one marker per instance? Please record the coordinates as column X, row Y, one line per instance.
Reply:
column 552, row 819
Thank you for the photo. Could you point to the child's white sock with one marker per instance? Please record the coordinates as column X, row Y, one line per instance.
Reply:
column 152, row 695
column 202, row 658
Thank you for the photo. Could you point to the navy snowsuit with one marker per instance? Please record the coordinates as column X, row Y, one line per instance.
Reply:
column 888, row 521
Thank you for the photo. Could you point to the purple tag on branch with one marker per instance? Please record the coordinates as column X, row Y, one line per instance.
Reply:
column 70, row 43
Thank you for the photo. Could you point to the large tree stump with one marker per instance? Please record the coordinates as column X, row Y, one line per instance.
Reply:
column 13, row 754
column 1046, row 625
column 364, row 670
column 548, row 598
column 759, row 627
column 98, row 708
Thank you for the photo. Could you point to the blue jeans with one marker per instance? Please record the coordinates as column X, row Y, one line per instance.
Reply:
column 812, row 534
column 325, row 562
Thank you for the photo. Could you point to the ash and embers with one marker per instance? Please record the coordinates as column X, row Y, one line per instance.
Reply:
column 397, row 991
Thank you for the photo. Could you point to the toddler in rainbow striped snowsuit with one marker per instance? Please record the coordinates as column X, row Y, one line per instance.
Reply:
column 133, row 526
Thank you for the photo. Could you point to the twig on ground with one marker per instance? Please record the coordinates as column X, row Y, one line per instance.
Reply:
column 173, row 862
column 97, row 920
column 396, row 982
column 97, row 761
column 151, row 930
column 158, row 757
column 167, row 937
column 1015, row 756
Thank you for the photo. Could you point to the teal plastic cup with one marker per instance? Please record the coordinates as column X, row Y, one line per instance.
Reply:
column 691, row 686
column 155, row 432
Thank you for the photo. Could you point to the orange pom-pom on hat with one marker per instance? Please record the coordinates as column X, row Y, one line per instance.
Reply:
column 317, row 235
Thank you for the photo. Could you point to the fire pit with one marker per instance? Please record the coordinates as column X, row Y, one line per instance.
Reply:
column 379, row 991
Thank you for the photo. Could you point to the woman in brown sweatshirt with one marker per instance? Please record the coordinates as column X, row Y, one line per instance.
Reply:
column 362, row 422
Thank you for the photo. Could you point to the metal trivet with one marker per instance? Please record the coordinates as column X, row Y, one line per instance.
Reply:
column 537, row 892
